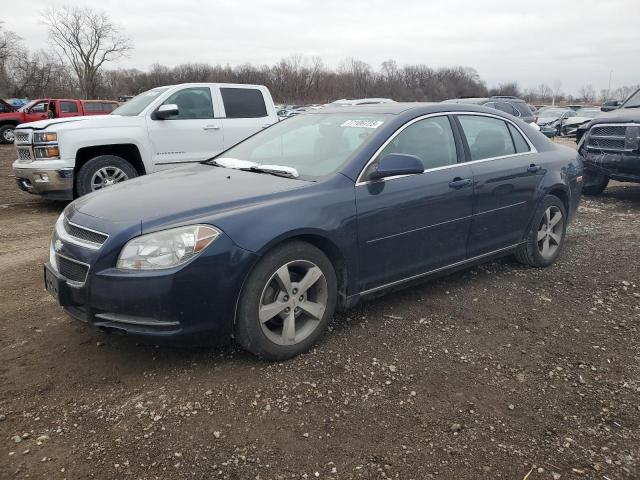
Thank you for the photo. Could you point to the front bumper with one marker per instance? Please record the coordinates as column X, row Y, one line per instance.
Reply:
column 549, row 131
column 56, row 184
column 620, row 166
column 194, row 302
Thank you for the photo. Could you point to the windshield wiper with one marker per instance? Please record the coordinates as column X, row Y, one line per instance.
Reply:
column 280, row 171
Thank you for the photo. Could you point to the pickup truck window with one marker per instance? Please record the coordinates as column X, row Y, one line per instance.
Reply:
column 137, row 104
column 243, row 103
column 68, row 107
column 92, row 107
column 40, row 107
column 193, row 103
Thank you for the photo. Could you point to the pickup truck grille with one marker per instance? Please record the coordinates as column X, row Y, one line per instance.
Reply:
column 21, row 137
column 24, row 154
column 84, row 234
column 614, row 138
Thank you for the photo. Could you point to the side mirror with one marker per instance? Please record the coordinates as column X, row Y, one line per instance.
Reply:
column 610, row 105
column 394, row 164
column 166, row 111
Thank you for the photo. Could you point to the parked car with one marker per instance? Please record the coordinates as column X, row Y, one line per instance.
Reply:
column 318, row 212
column 583, row 115
column 351, row 102
column 610, row 145
column 163, row 128
column 551, row 120
column 50, row 108
column 511, row 105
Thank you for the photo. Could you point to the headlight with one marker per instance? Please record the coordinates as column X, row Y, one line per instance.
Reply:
column 45, row 137
column 167, row 248
column 46, row 152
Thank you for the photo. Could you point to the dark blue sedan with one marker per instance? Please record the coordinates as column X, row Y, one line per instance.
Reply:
column 265, row 241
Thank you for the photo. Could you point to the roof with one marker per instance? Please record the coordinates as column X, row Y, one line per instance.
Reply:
column 420, row 108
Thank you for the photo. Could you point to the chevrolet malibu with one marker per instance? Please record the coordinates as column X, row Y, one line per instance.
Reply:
column 265, row 241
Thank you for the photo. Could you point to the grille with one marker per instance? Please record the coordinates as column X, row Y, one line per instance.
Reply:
column 24, row 154
column 606, row 143
column 609, row 131
column 84, row 234
column 21, row 137
column 71, row 270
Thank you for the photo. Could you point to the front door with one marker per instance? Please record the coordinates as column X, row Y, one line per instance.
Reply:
column 191, row 136
column 411, row 225
column 39, row 111
column 506, row 179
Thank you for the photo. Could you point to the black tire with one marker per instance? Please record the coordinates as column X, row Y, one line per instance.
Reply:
column 85, row 176
column 255, row 335
column 6, row 134
column 594, row 183
column 531, row 252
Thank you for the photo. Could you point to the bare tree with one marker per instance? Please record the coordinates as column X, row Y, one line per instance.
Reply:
column 88, row 39
column 510, row 89
column 587, row 93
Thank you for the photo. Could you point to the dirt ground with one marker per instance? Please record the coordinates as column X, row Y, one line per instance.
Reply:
column 497, row 372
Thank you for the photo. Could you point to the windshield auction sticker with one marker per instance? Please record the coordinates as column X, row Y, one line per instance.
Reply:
column 362, row 124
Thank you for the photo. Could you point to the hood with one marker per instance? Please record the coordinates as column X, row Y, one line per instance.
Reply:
column 621, row 115
column 577, row 120
column 181, row 195
column 92, row 121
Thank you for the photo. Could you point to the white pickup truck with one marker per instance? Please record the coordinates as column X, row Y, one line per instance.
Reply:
column 162, row 128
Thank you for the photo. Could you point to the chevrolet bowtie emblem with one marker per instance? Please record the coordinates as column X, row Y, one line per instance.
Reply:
column 57, row 245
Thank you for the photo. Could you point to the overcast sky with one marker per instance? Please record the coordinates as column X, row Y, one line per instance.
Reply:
column 533, row 41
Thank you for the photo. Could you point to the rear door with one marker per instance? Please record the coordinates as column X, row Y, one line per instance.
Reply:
column 411, row 225
column 506, row 177
column 246, row 111
column 191, row 136
column 67, row 108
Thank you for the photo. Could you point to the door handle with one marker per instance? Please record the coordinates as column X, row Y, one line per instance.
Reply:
column 266, row 125
column 211, row 127
column 459, row 183
column 533, row 168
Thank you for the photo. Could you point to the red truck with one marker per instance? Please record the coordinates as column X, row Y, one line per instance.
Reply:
column 48, row 108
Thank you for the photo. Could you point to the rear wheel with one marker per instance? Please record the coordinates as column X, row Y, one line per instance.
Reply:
column 594, row 183
column 546, row 235
column 6, row 134
column 103, row 171
column 286, row 302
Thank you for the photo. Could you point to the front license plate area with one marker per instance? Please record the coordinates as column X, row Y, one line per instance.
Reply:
column 57, row 287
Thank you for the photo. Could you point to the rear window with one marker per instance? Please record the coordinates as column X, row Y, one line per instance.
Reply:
column 92, row 107
column 68, row 107
column 524, row 109
column 243, row 103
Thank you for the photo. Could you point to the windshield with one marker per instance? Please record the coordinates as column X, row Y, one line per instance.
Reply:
column 633, row 101
column 587, row 112
column 138, row 103
column 313, row 145
column 552, row 112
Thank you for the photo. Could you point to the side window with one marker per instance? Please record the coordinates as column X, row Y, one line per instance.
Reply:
column 68, row 107
column 4, row 108
column 39, row 107
column 519, row 141
column 108, row 107
column 92, row 107
column 243, row 103
column 193, row 103
column 487, row 137
column 430, row 139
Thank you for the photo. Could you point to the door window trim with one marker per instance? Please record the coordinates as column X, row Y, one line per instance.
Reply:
column 360, row 181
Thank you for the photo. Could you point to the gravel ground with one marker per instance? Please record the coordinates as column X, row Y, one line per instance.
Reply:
column 499, row 371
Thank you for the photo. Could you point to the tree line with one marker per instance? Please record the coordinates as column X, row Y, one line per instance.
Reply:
column 85, row 40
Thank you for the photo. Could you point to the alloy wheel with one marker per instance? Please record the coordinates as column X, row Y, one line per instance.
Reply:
column 550, row 232
column 9, row 135
column 293, row 302
column 106, row 177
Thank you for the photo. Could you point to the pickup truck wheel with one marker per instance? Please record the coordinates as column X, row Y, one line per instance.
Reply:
column 594, row 183
column 546, row 235
column 286, row 302
column 6, row 134
column 101, row 172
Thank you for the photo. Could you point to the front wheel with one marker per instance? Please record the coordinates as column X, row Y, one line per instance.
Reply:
column 101, row 172
column 6, row 134
column 286, row 302
column 546, row 235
